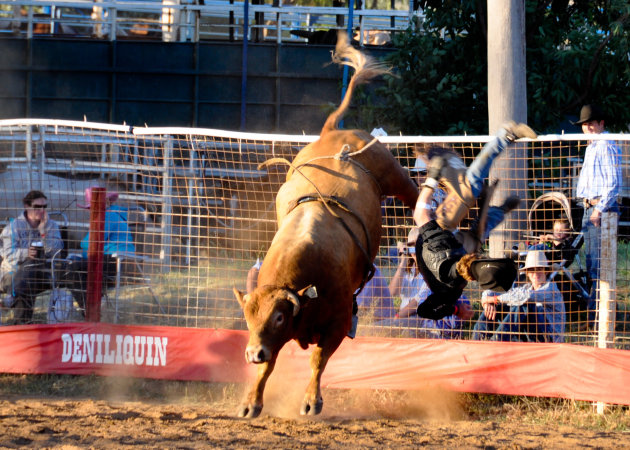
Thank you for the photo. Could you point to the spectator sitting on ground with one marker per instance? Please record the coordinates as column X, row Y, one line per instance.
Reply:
column 118, row 240
column 533, row 312
column 26, row 241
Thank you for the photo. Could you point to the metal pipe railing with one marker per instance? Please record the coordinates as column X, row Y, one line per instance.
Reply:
column 181, row 22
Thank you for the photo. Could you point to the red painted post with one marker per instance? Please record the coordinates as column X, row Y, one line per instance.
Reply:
column 95, row 255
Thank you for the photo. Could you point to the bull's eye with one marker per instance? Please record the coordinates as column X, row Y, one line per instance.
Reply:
column 279, row 319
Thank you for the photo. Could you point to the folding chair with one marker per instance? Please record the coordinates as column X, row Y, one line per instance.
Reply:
column 139, row 281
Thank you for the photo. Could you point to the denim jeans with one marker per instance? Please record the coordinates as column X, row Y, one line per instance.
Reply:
column 479, row 170
column 592, row 244
column 524, row 323
column 496, row 215
column 30, row 279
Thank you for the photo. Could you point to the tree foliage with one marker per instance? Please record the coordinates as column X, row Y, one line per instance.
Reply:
column 577, row 52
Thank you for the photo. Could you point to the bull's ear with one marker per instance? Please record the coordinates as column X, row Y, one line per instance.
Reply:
column 241, row 297
column 309, row 291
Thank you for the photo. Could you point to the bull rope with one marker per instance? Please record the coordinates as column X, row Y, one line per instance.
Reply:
column 343, row 155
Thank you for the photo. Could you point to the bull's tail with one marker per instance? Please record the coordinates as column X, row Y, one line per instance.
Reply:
column 365, row 68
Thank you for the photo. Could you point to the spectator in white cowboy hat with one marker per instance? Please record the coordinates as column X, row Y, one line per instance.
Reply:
column 533, row 312
column 117, row 240
column 598, row 186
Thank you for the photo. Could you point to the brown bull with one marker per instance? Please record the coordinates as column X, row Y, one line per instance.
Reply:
column 329, row 230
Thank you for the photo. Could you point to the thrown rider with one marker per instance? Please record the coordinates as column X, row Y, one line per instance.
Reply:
column 446, row 265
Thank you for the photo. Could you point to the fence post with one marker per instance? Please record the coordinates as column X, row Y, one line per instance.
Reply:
column 29, row 156
column 192, row 177
column 167, row 207
column 40, row 157
column 95, row 256
column 607, row 290
column 29, row 24
column 113, row 16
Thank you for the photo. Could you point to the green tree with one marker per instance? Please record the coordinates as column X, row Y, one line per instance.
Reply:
column 577, row 52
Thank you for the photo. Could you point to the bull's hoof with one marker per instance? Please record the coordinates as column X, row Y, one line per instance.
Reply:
column 311, row 409
column 249, row 411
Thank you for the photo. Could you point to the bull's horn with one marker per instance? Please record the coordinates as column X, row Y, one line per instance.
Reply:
column 296, row 303
column 272, row 161
column 242, row 298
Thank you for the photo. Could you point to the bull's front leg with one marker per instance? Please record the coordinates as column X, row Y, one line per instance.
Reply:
column 313, row 400
column 253, row 403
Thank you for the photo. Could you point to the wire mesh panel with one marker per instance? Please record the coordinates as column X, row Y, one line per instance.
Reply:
column 198, row 213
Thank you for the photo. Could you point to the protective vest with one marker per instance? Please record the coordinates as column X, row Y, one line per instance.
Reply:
column 440, row 252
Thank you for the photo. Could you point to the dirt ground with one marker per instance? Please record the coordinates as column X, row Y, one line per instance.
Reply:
column 356, row 419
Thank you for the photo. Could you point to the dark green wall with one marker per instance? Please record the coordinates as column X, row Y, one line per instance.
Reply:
column 168, row 84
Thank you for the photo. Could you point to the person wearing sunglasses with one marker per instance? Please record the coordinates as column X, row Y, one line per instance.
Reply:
column 27, row 241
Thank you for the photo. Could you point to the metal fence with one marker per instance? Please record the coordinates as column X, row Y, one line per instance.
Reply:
column 201, row 214
column 191, row 21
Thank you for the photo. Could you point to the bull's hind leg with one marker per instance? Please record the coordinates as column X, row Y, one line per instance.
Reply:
column 313, row 400
column 253, row 403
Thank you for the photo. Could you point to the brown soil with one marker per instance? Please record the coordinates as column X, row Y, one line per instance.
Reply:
column 350, row 419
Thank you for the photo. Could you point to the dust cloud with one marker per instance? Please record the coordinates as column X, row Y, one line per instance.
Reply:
column 431, row 404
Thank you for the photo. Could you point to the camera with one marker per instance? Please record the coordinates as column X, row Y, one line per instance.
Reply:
column 407, row 251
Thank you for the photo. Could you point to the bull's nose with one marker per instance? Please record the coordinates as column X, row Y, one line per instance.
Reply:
column 257, row 354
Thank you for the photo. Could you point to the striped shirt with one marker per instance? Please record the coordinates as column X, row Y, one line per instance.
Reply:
column 600, row 177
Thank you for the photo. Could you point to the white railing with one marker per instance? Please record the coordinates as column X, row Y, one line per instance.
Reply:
column 182, row 21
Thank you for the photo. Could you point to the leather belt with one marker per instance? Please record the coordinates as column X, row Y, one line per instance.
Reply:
column 588, row 203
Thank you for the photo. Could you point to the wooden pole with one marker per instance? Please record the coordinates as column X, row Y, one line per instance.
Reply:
column 95, row 256
column 607, row 289
column 507, row 100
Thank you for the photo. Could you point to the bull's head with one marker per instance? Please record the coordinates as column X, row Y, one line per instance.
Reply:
column 270, row 314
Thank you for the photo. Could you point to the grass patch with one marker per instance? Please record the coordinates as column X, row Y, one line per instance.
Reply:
column 546, row 411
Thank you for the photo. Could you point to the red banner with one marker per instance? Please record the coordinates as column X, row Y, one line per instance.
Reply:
column 550, row 370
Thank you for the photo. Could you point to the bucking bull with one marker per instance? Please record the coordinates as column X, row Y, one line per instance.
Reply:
column 329, row 230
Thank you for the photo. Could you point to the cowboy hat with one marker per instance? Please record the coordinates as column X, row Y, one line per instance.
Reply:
column 495, row 274
column 590, row 112
column 536, row 259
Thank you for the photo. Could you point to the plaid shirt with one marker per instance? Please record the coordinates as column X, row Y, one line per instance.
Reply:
column 547, row 297
column 600, row 177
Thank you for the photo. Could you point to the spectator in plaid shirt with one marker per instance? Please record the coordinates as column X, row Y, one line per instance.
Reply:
column 598, row 186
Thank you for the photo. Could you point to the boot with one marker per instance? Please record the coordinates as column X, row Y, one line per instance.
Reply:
column 510, row 203
column 518, row 130
column 459, row 198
